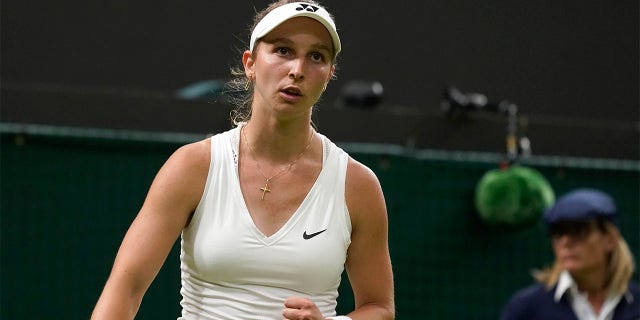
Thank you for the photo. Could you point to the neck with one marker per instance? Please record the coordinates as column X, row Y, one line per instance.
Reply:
column 277, row 143
column 594, row 283
column 272, row 129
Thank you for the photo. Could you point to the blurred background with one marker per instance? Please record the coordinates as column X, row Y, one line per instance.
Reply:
column 432, row 95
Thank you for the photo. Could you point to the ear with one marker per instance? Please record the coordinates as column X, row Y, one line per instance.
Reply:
column 330, row 77
column 248, row 62
column 610, row 241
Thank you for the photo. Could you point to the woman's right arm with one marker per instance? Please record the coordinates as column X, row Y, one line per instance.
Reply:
column 170, row 202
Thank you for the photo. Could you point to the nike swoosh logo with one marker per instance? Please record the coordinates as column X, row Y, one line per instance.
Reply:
column 309, row 236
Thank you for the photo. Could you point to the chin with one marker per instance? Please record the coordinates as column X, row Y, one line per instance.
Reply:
column 571, row 265
column 573, row 269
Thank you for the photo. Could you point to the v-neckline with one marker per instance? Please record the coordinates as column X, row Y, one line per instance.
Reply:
column 297, row 213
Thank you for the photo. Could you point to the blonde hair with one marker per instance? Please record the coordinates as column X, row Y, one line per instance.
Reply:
column 239, row 90
column 620, row 268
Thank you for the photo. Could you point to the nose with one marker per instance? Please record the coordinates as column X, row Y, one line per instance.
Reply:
column 296, row 70
column 563, row 240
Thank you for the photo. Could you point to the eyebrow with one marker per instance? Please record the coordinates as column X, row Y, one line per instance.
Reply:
column 287, row 41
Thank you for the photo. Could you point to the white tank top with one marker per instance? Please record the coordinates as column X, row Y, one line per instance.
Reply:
column 230, row 270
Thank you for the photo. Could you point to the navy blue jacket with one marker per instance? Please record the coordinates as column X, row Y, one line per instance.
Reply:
column 536, row 303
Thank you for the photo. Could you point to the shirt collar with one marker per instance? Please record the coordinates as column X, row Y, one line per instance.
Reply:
column 566, row 283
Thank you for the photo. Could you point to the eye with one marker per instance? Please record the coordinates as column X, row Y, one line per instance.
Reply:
column 283, row 51
column 317, row 57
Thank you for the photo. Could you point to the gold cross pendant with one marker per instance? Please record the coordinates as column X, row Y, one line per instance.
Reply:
column 265, row 189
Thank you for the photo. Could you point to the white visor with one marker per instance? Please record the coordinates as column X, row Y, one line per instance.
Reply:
column 297, row 9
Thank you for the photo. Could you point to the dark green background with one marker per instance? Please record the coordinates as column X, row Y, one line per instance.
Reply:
column 66, row 203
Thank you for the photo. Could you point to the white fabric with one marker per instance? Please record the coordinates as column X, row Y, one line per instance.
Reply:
column 297, row 9
column 579, row 301
column 230, row 270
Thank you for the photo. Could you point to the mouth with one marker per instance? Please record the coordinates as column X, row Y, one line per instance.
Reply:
column 292, row 91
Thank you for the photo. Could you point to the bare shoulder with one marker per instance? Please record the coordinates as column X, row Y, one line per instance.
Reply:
column 193, row 156
column 364, row 195
column 361, row 176
column 180, row 182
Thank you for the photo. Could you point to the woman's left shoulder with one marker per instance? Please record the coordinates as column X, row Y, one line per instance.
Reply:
column 363, row 191
column 360, row 176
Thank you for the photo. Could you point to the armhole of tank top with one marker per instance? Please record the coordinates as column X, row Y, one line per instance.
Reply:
column 343, row 161
column 205, row 191
column 347, row 215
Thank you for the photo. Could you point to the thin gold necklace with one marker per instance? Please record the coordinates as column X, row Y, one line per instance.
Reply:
column 266, row 188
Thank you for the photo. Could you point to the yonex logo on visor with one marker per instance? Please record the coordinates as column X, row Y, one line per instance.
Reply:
column 297, row 9
column 307, row 7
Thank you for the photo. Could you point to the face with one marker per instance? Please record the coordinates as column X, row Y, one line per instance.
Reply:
column 581, row 248
column 291, row 67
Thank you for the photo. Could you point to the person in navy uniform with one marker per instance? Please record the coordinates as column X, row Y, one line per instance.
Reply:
column 590, row 277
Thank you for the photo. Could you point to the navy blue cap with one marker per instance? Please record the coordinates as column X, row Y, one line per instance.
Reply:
column 582, row 205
